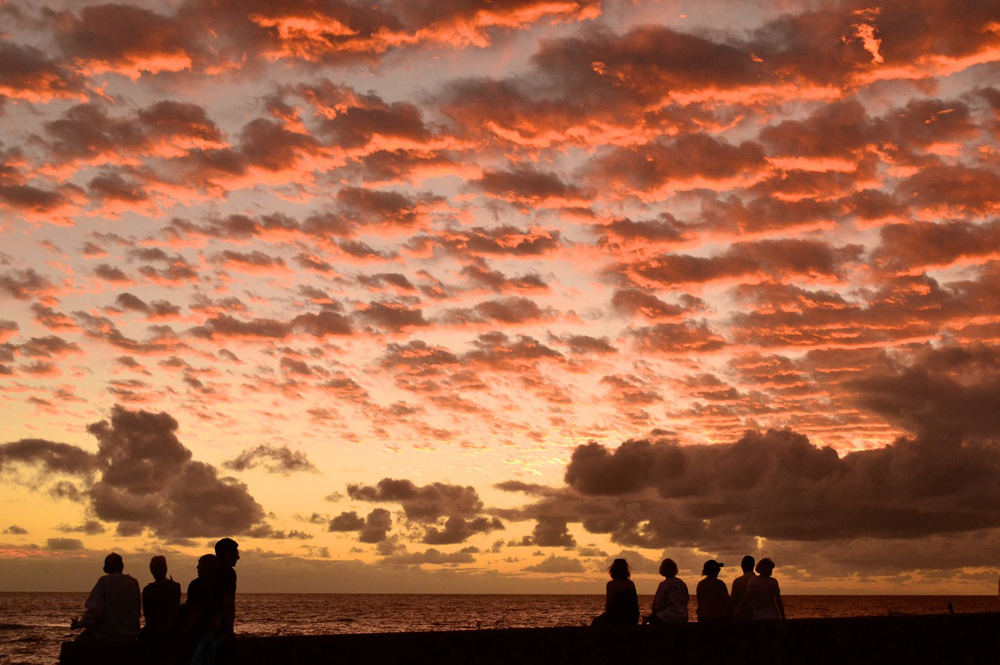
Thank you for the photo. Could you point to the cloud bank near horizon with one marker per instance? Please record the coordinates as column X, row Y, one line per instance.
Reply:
column 523, row 278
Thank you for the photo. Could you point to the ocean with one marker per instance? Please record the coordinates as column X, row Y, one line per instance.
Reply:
column 33, row 625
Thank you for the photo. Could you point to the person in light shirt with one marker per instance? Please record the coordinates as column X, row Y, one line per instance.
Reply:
column 764, row 594
column 670, row 604
column 113, row 607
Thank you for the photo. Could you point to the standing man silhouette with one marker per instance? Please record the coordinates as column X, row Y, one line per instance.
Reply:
column 228, row 552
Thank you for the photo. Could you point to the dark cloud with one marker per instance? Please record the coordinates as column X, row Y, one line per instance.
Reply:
column 679, row 338
column 431, row 556
column 429, row 504
column 146, row 478
column 15, row 530
column 155, row 309
column 780, row 486
column 273, row 459
column 555, row 564
column 689, row 156
column 357, row 119
column 49, row 346
column 376, row 527
column 393, row 316
column 417, row 358
column 458, row 530
column 947, row 395
column 479, row 273
column 318, row 324
column 968, row 188
column 149, row 479
column 346, row 521
column 122, row 37
column 916, row 244
column 28, row 73
column 111, row 273
column 502, row 240
column 509, row 310
column 423, row 503
column 64, row 489
column 25, row 284
column 53, row 457
column 549, row 532
column 500, row 352
column 527, row 186
column 90, row 527
column 838, row 129
column 369, row 207
column 625, row 232
column 639, row 303
column 585, row 345
column 64, row 544
column 763, row 258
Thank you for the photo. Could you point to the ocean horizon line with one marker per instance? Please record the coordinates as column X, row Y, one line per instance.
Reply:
column 568, row 593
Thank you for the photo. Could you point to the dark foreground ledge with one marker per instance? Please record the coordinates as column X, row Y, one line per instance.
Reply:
column 960, row 639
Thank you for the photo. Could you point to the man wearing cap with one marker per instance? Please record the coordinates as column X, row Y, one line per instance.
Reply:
column 713, row 597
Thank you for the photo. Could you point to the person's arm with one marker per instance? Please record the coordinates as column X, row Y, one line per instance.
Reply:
column 95, row 605
column 607, row 597
column 744, row 598
column 228, row 618
column 777, row 600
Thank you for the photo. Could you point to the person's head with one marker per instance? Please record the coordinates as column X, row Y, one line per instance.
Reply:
column 228, row 552
column 208, row 564
column 748, row 563
column 765, row 567
column 668, row 568
column 619, row 570
column 113, row 563
column 158, row 567
column 711, row 568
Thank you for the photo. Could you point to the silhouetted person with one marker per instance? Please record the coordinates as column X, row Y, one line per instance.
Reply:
column 201, row 614
column 768, row 612
column 161, row 600
column 713, row 597
column 670, row 604
column 621, row 603
column 740, row 590
column 228, row 553
column 112, row 613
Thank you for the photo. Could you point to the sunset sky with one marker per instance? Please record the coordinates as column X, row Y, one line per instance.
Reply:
column 475, row 296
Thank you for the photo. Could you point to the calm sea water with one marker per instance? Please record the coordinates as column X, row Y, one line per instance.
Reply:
column 32, row 625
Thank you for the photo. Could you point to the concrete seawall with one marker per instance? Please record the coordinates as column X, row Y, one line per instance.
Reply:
column 961, row 639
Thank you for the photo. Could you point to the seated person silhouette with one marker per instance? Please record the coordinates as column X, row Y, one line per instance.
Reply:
column 112, row 613
column 621, row 603
column 713, row 597
column 161, row 600
column 670, row 604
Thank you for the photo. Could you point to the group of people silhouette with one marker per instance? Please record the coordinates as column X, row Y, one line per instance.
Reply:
column 753, row 597
column 193, row 632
